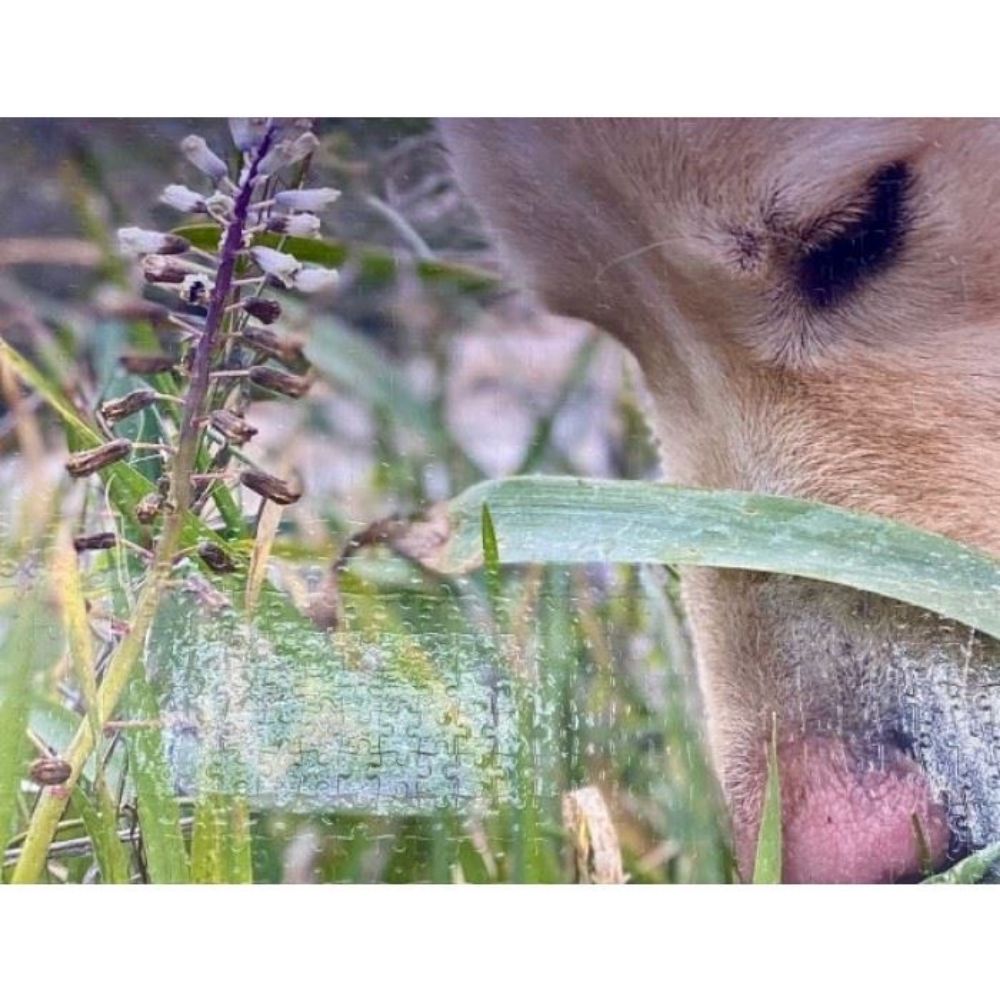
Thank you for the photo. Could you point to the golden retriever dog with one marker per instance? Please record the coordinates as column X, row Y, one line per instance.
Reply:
column 815, row 305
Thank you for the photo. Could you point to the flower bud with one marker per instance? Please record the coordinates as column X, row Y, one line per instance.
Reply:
column 281, row 382
column 146, row 364
column 248, row 133
column 183, row 199
column 50, row 771
column 315, row 279
column 95, row 542
column 200, row 154
column 303, row 224
column 270, row 487
column 216, row 558
column 167, row 270
column 275, row 263
column 83, row 463
column 220, row 204
column 264, row 310
column 287, row 350
column 114, row 410
column 306, row 199
column 135, row 241
column 232, row 427
column 287, row 152
column 148, row 509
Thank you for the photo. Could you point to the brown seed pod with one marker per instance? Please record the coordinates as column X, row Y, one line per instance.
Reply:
column 50, row 771
column 83, row 463
column 284, row 383
column 114, row 410
column 265, row 311
column 233, row 428
column 270, row 487
column 100, row 540
column 146, row 364
column 216, row 558
column 166, row 270
column 148, row 509
column 287, row 350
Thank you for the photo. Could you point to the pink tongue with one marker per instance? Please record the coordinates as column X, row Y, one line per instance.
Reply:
column 844, row 824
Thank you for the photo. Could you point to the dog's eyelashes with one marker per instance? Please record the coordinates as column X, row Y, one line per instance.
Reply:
column 844, row 251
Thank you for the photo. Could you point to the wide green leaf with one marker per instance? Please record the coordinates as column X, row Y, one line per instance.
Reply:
column 540, row 519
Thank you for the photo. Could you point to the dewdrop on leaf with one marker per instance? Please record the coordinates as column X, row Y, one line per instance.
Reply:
column 183, row 199
column 315, row 279
column 200, row 154
column 306, row 199
column 282, row 266
column 135, row 242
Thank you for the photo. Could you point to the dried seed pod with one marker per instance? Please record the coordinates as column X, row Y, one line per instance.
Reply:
column 50, row 771
column 100, row 540
column 83, row 463
column 148, row 509
column 284, row 383
column 216, row 558
column 265, row 311
column 287, row 350
column 167, row 270
column 233, row 428
column 114, row 410
column 146, row 364
column 270, row 487
column 132, row 240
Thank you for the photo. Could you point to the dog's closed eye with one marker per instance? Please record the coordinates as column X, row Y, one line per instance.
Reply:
column 849, row 247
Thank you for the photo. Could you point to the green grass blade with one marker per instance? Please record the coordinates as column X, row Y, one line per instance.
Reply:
column 542, row 519
column 24, row 654
column 767, row 862
column 159, row 813
column 99, row 818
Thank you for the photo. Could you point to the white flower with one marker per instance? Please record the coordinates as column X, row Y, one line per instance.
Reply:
column 200, row 154
column 282, row 266
column 219, row 205
column 303, row 224
column 182, row 198
column 135, row 241
column 306, row 199
column 287, row 152
column 248, row 132
column 315, row 279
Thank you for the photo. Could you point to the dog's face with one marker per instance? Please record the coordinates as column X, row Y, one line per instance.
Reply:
column 816, row 308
